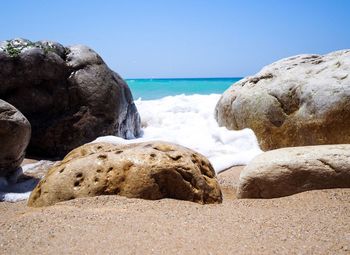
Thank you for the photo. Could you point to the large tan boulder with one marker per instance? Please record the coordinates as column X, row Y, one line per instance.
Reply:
column 297, row 101
column 152, row 170
column 287, row 171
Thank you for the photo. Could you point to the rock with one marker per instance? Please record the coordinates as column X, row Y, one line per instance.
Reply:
column 14, row 136
column 36, row 170
column 301, row 100
column 287, row 171
column 68, row 94
column 18, row 185
column 151, row 170
column 229, row 180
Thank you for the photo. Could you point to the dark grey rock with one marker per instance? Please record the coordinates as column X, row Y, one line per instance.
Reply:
column 14, row 137
column 68, row 94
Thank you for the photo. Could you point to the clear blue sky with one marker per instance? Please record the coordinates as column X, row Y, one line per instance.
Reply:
column 184, row 38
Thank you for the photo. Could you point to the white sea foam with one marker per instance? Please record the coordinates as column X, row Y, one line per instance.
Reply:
column 189, row 121
column 185, row 120
column 12, row 189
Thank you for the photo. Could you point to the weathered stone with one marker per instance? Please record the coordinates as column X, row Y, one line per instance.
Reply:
column 152, row 170
column 287, row 171
column 68, row 94
column 14, row 138
column 301, row 100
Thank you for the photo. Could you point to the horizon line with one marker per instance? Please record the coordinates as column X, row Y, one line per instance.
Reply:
column 182, row 78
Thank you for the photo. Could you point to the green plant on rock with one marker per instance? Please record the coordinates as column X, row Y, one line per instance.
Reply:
column 12, row 51
column 48, row 49
column 15, row 50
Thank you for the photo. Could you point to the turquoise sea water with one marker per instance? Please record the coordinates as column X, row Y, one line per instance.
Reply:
column 149, row 89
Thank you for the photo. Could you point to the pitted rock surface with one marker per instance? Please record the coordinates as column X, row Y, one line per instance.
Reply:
column 151, row 170
column 297, row 101
column 68, row 94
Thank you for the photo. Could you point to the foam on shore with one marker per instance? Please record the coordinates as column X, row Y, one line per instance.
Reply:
column 185, row 120
column 189, row 121
column 13, row 189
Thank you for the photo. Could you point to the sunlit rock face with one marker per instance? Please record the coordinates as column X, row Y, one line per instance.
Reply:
column 291, row 170
column 151, row 170
column 301, row 100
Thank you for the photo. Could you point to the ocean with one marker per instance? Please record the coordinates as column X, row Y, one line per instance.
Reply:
column 148, row 89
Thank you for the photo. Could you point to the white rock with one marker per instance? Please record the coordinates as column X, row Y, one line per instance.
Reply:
column 288, row 171
column 301, row 100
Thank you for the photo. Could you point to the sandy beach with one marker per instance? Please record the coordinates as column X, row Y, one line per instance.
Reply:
column 313, row 222
column 175, row 127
